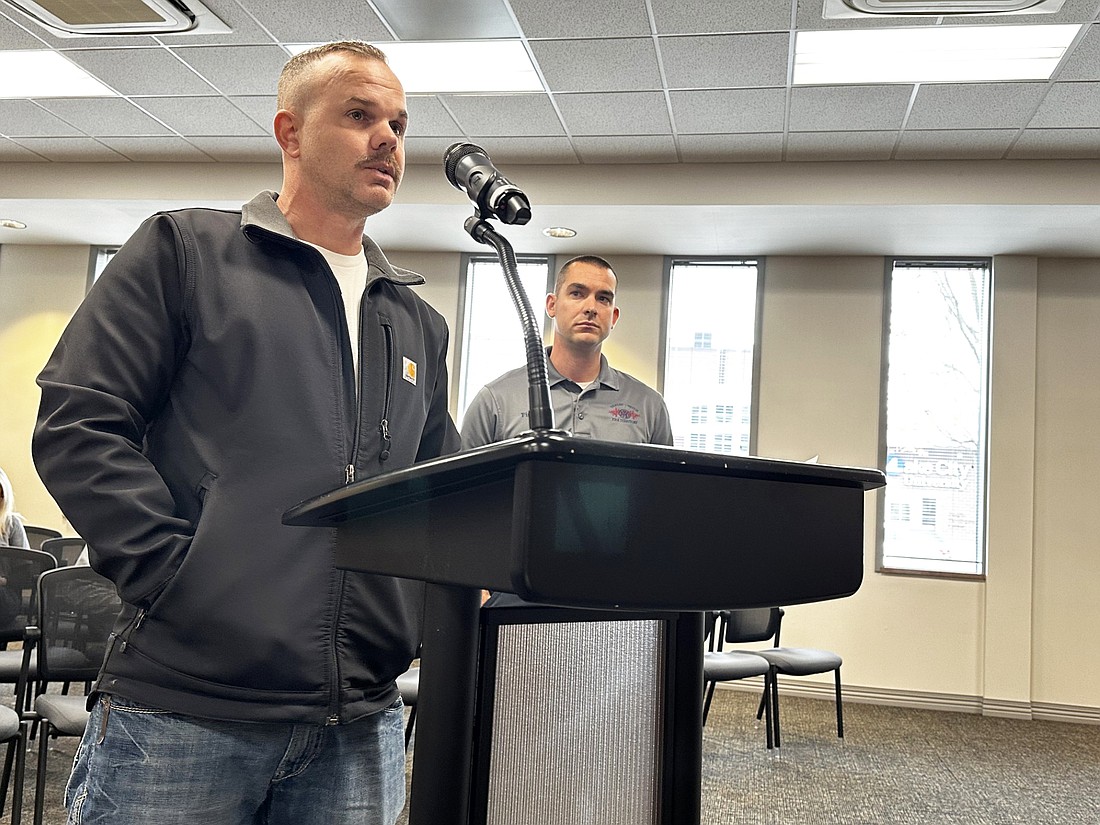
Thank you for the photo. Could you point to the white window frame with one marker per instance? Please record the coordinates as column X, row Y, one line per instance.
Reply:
column 689, row 431
column 935, row 472
column 469, row 380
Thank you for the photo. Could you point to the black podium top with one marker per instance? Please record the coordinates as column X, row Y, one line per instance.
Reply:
column 581, row 522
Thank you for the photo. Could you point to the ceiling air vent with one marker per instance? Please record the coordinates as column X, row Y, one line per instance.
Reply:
column 74, row 18
column 859, row 8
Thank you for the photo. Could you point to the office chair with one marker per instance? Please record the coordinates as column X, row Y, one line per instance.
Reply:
column 76, row 610
column 37, row 535
column 66, row 550
column 760, row 624
column 408, row 684
column 11, row 731
column 728, row 665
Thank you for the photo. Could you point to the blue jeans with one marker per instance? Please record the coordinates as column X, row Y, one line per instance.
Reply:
column 139, row 764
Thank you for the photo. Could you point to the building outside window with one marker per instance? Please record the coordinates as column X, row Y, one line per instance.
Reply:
column 492, row 335
column 936, row 422
column 710, row 352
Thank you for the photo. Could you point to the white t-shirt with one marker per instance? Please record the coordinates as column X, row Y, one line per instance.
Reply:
column 351, row 275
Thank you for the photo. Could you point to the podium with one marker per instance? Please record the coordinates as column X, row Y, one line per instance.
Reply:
column 589, row 531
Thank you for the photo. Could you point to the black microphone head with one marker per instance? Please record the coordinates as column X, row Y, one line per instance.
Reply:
column 454, row 155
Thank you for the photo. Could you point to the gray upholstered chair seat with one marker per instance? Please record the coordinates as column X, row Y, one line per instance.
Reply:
column 725, row 666
column 68, row 715
column 9, row 723
column 801, row 661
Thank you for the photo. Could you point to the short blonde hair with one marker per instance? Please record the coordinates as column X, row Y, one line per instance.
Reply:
column 296, row 74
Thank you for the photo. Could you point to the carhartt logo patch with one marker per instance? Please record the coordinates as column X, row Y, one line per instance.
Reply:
column 408, row 370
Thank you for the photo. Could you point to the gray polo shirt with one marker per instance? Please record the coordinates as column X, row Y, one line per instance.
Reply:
column 615, row 407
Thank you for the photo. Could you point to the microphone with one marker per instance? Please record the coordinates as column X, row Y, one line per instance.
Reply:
column 469, row 169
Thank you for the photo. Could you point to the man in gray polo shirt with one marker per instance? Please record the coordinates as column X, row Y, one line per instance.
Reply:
column 590, row 399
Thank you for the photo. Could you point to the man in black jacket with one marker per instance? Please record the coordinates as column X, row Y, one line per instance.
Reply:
column 226, row 366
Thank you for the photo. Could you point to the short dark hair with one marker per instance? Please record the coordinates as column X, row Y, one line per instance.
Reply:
column 595, row 260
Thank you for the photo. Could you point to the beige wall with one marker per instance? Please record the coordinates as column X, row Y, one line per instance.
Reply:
column 1005, row 645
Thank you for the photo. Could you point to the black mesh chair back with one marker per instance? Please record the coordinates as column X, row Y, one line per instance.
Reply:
column 66, row 550
column 37, row 535
column 77, row 609
column 19, row 572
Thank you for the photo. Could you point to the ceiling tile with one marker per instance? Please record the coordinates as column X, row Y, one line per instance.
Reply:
column 429, row 150
column 155, row 149
column 582, row 18
column 237, row 70
column 1057, row 143
column 22, row 118
column 729, row 110
column 71, row 149
column 520, row 150
column 261, row 108
column 848, row 108
column 976, row 144
column 428, row 117
column 762, row 148
column 626, row 113
column 678, row 17
column 141, row 71
column 840, row 145
column 113, row 117
column 646, row 149
column 319, row 22
column 974, row 105
column 724, row 62
column 12, row 152
column 200, row 116
column 1069, row 106
column 504, row 115
column 15, row 36
column 598, row 65
column 239, row 149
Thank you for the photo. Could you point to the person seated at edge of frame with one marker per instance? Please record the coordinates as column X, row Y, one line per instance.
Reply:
column 211, row 380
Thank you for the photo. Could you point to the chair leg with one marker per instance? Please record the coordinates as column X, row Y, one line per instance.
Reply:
column 40, row 779
column 20, row 774
column 765, row 698
column 775, row 704
column 708, row 695
column 409, row 726
column 839, row 708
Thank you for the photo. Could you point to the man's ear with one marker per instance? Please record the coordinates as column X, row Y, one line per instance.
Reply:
column 286, row 132
column 551, row 301
column 614, row 317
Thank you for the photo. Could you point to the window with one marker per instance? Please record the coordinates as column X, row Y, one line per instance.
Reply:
column 710, row 352
column 937, row 376
column 101, row 256
column 492, row 336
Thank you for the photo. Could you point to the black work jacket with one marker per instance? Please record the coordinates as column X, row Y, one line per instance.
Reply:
column 204, row 386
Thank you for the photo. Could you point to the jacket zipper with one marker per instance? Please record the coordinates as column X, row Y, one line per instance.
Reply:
column 391, row 368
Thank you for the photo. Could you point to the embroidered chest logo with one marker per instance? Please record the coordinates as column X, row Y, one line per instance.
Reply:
column 408, row 370
column 625, row 413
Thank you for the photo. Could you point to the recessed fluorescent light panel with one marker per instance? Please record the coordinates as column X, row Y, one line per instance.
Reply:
column 466, row 66
column 76, row 18
column 930, row 54
column 43, row 73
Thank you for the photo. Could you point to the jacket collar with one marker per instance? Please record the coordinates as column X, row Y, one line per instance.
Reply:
column 262, row 214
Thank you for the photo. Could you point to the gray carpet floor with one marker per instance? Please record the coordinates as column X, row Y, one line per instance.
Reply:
column 894, row 767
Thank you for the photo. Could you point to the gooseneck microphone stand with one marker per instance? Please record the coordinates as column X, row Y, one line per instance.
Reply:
column 538, row 383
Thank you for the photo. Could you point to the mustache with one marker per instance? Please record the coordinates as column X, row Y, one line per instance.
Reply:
column 386, row 159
